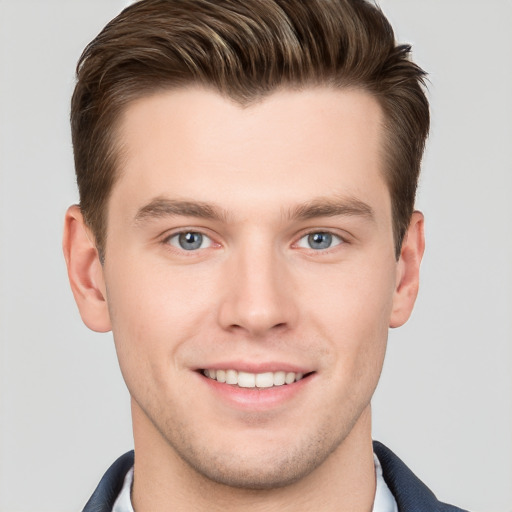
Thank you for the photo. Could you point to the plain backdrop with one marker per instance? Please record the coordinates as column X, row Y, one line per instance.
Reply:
column 445, row 399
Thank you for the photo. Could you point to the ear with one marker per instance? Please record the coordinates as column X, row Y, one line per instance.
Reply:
column 85, row 271
column 408, row 271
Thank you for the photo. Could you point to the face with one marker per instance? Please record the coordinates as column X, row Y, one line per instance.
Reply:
column 250, row 278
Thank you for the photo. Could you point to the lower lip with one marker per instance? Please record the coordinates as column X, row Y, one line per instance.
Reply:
column 256, row 399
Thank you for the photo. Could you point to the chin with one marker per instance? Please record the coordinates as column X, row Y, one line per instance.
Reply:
column 272, row 466
column 255, row 475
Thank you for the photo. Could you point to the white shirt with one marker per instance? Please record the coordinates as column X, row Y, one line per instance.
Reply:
column 384, row 500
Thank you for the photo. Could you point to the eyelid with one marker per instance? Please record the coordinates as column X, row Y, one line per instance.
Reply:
column 165, row 237
column 205, row 239
column 342, row 239
column 171, row 233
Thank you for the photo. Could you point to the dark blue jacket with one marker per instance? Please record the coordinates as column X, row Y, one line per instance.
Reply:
column 410, row 493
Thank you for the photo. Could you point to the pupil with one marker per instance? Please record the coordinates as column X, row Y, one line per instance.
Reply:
column 320, row 240
column 190, row 241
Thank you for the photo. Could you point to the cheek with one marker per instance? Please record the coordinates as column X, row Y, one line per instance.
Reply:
column 352, row 313
column 356, row 297
column 153, row 313
column 154, row 295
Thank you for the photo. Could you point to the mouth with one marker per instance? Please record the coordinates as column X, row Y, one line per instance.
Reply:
column 254, row 380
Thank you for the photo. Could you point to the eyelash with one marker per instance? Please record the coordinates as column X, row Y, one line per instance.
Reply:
column 337, row 239
column 167, row 240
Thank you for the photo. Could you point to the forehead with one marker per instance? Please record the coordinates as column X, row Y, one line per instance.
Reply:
column 292, row 145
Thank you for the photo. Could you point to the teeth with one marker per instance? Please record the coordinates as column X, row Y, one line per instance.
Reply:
column 253, row 380
column 279, row 378
column 246, row 380
column 263, row 380
column 231, row 377
column 290, row 378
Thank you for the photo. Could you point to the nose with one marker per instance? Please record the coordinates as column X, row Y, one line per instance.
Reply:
column 258, row 293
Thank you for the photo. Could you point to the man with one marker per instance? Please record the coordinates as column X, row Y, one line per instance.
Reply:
column 246, row 228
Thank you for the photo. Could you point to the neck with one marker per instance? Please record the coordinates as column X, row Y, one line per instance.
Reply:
column 344, row 482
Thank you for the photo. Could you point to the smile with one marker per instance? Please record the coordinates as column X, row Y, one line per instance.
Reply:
column 253, row 380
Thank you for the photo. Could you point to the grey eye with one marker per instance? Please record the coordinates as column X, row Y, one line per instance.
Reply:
column 319, row 240
column 190, row 241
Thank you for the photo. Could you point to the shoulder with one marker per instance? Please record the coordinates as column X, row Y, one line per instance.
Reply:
column 110, row 485
column 410, row 492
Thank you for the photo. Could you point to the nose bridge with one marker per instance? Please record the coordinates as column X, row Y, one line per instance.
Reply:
column 259, row 295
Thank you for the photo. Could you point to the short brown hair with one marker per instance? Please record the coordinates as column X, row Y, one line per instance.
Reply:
column 245, row 49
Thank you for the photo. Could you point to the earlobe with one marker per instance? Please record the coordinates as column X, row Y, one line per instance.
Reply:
column 85, row 271
column 408, row 271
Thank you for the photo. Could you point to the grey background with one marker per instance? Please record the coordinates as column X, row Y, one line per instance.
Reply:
column 445, row 400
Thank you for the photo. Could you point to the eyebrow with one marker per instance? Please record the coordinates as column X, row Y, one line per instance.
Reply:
column 332, row 207
column 163, row 207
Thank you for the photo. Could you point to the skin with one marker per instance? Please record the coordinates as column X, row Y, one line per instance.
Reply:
column 255, row 295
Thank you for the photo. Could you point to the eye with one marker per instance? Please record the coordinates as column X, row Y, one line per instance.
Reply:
column 319, row 240
column 189, row 241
